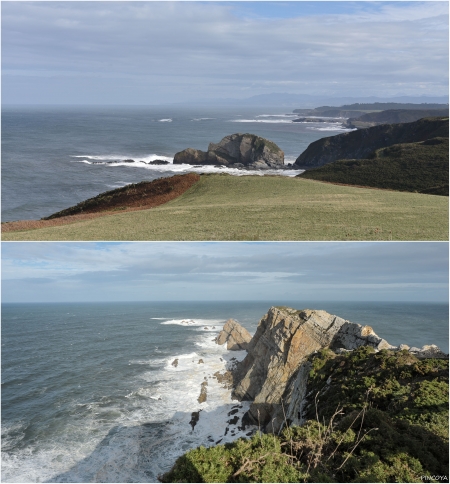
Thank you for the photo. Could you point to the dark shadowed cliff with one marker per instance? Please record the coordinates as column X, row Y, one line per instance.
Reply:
column 361, row 143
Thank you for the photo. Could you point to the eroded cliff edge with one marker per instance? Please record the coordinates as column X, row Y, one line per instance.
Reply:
column 274, row 374
column 369, row 411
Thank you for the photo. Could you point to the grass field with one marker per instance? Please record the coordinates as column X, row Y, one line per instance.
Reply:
column 224, row 207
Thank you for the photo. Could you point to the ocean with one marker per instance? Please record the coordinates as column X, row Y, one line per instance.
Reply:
column 104, row 392
column 56, row 157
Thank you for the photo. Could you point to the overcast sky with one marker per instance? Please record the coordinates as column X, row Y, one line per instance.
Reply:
column 52, row 272
column 164, row 52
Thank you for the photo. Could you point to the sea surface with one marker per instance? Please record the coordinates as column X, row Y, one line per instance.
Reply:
column 91, row 393
column 55, row 157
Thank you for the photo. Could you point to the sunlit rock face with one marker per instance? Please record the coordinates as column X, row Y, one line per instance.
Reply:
column 240, row 150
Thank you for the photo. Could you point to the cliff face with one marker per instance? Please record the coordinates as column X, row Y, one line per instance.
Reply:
column 356, row 385
column 241, row 150
column 275, row 371
column 284, row 339
column 414, row 167
column 361, row 143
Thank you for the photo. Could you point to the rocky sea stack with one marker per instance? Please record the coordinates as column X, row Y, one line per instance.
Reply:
column 236, row 151
column 335, row 403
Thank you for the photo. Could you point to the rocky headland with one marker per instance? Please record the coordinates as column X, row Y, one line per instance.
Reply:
column 393, row 116
column 406, row 157
column 273, row 375
column 236, row 151
column 337, row 404
column 362, row 143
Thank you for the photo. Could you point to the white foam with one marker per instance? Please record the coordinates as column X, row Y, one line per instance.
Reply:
column 330, row 128
column 135, row 438
column 201, row 119
column 272, row 121
column 277, row 116
column 144, row 162
column 194, row 322
column 166, row 120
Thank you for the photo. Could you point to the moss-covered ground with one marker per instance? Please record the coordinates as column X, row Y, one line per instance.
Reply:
column 225, row 207
column 373, row 417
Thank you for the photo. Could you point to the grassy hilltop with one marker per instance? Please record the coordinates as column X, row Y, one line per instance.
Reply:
column 372, row 417
column 225, row 207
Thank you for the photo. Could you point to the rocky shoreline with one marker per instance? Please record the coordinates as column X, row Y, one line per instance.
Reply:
column 274, row 374
column 305, row 366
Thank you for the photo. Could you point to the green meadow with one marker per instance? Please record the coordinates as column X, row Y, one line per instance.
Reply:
column 225, row 207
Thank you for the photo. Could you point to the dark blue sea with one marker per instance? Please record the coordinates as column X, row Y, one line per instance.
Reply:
column 90, row 392
column 55, row 157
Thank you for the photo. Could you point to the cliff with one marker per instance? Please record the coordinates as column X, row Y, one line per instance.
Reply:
column 283, row 341
column 391, row 116
column 354, row 408
column 362, row 143
column 414, row 167
column 236, row 150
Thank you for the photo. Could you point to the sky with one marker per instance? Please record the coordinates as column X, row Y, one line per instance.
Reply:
column 172, row 52
column 154, row 271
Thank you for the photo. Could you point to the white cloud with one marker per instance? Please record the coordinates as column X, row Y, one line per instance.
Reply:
column 233, row 270
column 201, row 43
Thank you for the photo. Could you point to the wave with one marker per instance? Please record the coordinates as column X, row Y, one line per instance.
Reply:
column 194, row 322
column 269, row 121
column 277, row 115
column 138, row 435
column 330, row 128
column 171, row 168
column 166, row 120
column 201, row 119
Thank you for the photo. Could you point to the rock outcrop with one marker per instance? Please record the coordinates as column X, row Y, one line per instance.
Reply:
column 274, row 374
column 361, row 143
column 236, row 150
column 284, row 339
column 234, row 335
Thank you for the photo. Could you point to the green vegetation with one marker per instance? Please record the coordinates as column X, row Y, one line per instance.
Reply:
column 415, row 167
column 373, row 417
column 225, row 207
column 259, row 144
column 394, row 116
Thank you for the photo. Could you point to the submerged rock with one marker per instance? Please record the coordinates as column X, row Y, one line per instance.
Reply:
column 234, row 335
column 236, row 150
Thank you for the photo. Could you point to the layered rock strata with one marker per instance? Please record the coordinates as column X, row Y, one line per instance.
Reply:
column 234, row 335
column 274, row 374
column 236, row 150
column 284, row 339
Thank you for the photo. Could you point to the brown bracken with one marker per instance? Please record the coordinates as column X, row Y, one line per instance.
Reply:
column 137, row 196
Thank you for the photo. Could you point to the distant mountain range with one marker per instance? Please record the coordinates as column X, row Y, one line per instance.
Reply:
column 293, row 101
